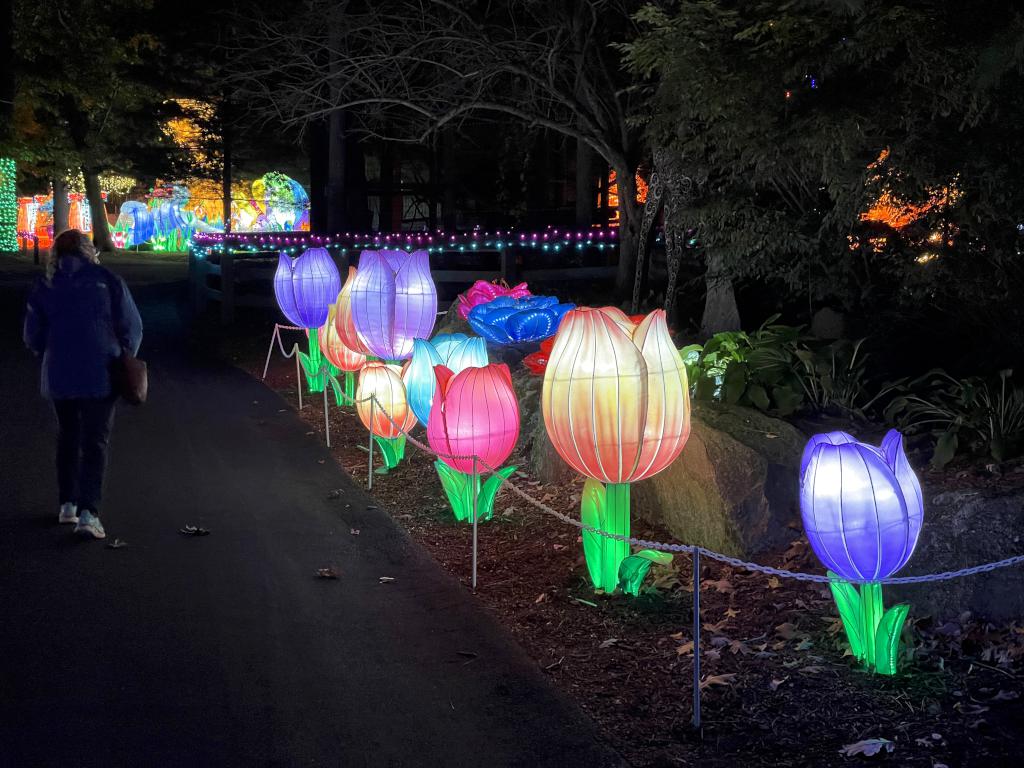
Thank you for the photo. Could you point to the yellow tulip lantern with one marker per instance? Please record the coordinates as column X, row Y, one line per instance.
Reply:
column 616, row 408
column 388, row 416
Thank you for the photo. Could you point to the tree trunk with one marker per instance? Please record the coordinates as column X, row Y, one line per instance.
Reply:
column 336, row 172
column 100, row 227
column 225, row 181
column 318, row 176
column 630, row 218
column 586, row 197
column 720, row 310
column 61, row 209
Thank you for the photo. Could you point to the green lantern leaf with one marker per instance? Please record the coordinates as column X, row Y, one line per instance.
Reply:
column 457, row 488
column 634, row 568
column 887, row 639
column 391, row 450
column 485, row 499
column 848, row 602
column 592, row 513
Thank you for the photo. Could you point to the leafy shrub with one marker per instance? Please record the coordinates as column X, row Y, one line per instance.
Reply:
column 969, row 414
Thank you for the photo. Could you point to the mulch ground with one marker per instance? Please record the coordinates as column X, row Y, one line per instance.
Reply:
column 778, row 685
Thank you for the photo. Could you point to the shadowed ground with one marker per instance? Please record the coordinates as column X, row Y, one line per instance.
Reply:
column 226, row 650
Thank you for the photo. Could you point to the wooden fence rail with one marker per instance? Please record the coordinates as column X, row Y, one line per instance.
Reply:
column 230, row 277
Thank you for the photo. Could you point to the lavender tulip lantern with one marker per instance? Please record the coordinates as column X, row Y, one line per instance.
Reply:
column 305, row 289
column 393, row 301
column 862, row 510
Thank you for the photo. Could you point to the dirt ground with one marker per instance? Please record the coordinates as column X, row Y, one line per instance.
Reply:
column 778, row 685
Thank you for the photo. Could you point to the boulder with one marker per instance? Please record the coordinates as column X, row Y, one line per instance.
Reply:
column 963, row 528
column 534, row 452
column 735, row 487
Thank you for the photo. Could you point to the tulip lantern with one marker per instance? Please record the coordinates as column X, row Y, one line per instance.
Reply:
column 862, row 510
column 393, row 301
column 506, row 320
column 340, row 356
column 343, row 322
column 387, row 416
column 616, row 408
column 482, row 292
column 455, row 351
column 305, row 289
column 474, row 414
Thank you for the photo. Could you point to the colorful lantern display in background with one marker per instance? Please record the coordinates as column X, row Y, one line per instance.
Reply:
column 340, row 356
column 482, row 292
column 862, row 510
column 455, row 351
column 393, row 301
column 512, row 321
column 389, row 416
column 475, row 413
column 8, row 205
column 616, row 408
column 305, row 289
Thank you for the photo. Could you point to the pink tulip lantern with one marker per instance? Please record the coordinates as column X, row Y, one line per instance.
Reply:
column 474, row 414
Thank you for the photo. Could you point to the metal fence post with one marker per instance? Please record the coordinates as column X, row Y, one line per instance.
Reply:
column 327, row 421
column 298, row 373
column 476, row 483
column 270, row 350
column 696, row 638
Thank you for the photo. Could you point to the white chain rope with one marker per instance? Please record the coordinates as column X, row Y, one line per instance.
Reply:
column 661, row 546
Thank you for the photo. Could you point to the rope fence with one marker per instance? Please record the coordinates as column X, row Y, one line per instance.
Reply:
column 695, row 551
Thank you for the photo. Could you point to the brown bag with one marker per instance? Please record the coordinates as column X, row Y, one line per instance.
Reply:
column 130, row 378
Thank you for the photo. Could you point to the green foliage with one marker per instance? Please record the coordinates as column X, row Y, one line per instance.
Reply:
column 971, row 415
column 779, row 369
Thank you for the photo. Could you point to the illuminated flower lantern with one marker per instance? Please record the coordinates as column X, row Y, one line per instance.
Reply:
column 388, row 417
column 537, row 362
column 512, row 321
column 393, row 301
column 862, row 510
column 343, row 322
column 482, row 292
column 455, row 351
column 339, row 355
column 474, row 413
column 305, row 289
column 616, row 408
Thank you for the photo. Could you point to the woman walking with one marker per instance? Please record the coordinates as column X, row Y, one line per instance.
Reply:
column 80, row 318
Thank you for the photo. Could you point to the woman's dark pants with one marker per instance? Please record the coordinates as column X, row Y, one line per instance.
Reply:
column 83, row 440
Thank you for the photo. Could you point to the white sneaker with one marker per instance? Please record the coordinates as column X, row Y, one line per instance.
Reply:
column 68, row 513
column 90, row 525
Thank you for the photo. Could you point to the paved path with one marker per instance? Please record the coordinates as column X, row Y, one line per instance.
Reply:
column 225, row 650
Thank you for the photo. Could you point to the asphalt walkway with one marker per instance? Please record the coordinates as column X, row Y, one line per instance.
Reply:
column 226, row 650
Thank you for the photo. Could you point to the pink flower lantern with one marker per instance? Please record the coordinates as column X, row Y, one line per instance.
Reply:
column 393, row 301
column 482, row 292
column 474, row 413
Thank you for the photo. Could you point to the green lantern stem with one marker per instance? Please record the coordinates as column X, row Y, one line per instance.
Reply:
column 460, row 488
column 315, row 379
column 605, row 508
column 392, row 449
column 872, row 631
column 350, row 387
column 344, row 394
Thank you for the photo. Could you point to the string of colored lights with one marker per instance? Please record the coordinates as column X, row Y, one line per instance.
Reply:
column 8, row 205
column 206, row 243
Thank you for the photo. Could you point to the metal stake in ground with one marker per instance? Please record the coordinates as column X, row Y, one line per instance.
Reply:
column 476, row 484
column 327, row 421
column 298, row 374
column 273, row 337
column 369, row 469
column 696, row 638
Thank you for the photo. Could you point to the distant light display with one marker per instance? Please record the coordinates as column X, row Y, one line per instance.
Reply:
column 8, row 205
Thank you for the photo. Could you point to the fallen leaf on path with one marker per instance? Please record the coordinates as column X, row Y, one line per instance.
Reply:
column 386, row 579
column 867, row 747
column 774, row 684
column 193, row 530
column 774, row 583
column 685, row 649
column 726, row 679
column 118, row 543
column 354, row 531
column 326, row 573
column 609, row 642
column 722, row 585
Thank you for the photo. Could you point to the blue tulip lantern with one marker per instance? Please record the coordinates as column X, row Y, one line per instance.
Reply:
column 455, row 351
column 862, row 510
column 305, row 289
column 512, row 321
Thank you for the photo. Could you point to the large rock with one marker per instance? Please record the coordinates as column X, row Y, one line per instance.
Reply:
column 735, row 487
column 961, row 529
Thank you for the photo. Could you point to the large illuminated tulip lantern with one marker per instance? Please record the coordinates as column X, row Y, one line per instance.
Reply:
column 388, row 416
column 305, row 289
column 862, row 510
column 616, row 408
column 393, row 301
column 340, row 356
column 455, row 351
column 475, row 413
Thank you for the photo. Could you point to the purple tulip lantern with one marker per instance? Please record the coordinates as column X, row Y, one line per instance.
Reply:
column 305, row 289
column 862, row 510
column 394, row 301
